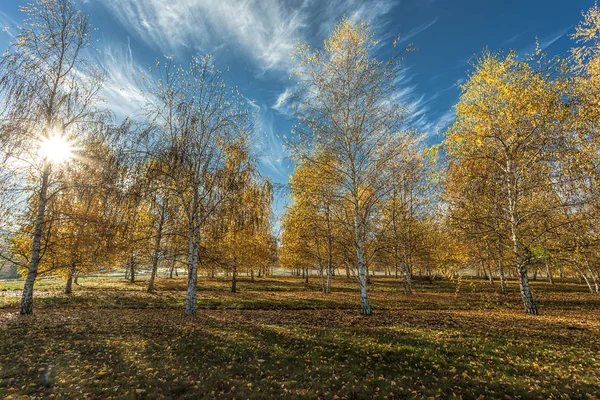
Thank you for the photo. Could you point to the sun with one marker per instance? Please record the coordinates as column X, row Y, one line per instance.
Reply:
column 56, row 149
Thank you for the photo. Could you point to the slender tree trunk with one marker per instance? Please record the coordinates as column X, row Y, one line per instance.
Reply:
column 69, row 285
column 32, row 271
column 503, row 287
column 348, row 270
column 490, row 276
column 191, row 305
column 362, row 280
column 530, row 306
column 305, row 275
column 156, row 253
column 251, row 274
column 131, row 269
column 76, row 278
column 406, row 280
column 589, row 283
column 322, row 273
column 529, row 303
column 360, row 264
column 234, row 274
column 329, row 277
column 549, row 273
column 329, row 256
column 593, row 276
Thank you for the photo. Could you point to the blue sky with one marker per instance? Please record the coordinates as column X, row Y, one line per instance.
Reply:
column 254, row 38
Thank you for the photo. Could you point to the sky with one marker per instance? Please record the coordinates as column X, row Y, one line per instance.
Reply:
column 255, row 38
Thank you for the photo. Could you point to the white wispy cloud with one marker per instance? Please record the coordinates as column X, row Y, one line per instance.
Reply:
column 7, row 24
column 125, row 81
column 264, row 30
column 272, row 155
column 283, row 102
column 419, row 29
column 554, row 37
column 546, row 41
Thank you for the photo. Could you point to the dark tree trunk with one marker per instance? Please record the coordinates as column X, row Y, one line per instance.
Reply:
column 131, row 270
column 234, row 279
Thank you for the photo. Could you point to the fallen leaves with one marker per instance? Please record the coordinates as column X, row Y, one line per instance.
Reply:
column 104, row 352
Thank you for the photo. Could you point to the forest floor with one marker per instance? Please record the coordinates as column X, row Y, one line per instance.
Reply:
column 280, row 337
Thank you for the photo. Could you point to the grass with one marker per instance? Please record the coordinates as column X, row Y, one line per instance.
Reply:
column 280, row 337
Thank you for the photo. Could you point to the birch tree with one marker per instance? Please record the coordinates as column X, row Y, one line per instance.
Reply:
column 507, row 145
column 195, row 119
column 347, row 108
column 50, row 91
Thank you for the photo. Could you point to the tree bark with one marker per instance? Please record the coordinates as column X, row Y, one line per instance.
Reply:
column 32, row 271
column 406, row 280
column 589, row 283
column 190, row 296
column 322, row 273
column 156, row 253
column 490, row 276
column 69, row 285
column 329, row 279
column 549, row 273
column 234, row 279
column 131, row 269
column 530, row 306
column 596, row 284
column 503, row 287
